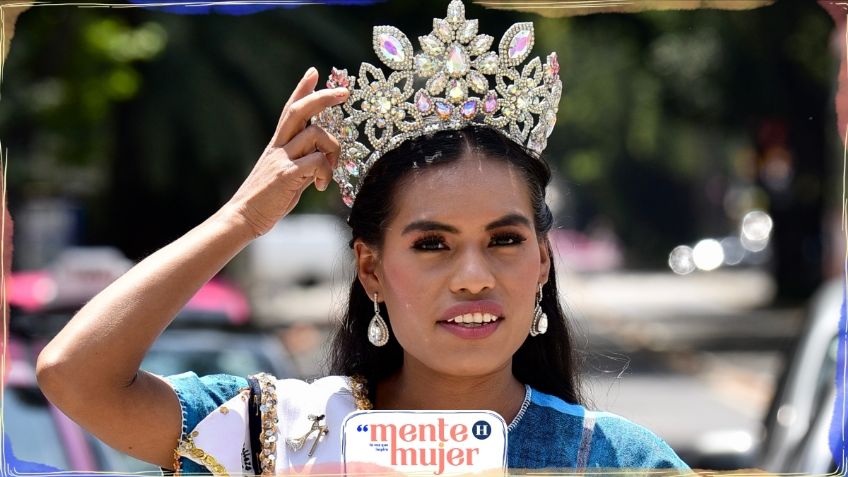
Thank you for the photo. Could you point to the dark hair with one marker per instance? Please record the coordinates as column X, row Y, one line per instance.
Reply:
column 547, row 362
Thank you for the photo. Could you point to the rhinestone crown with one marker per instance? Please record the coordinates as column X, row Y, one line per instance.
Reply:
column 456, row 62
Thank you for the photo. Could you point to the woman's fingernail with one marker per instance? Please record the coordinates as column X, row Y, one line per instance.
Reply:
column 341, row 92
column 321, row 185
column 309, row 71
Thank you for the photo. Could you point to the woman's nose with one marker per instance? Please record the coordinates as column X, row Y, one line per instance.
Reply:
column 472, row 273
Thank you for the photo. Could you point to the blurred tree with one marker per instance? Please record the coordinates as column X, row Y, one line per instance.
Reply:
column 664, row 127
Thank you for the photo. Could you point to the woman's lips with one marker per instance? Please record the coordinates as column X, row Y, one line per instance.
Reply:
column 472, row 319
column 473, row 307
column 471, row 331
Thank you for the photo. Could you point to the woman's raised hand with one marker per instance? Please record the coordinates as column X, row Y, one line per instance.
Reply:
column 297, row 156
column 91, row 368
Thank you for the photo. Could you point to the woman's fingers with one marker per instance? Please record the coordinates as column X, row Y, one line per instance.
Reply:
column 313, row 167
column 314, row 138
column 296, row 116
column 304, row 87
column 296, row 157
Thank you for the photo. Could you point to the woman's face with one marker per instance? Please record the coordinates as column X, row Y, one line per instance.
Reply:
column 460, row 247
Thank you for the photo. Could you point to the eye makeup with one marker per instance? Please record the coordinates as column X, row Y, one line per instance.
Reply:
column 433, row 242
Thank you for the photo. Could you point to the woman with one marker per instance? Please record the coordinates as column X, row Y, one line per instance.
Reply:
column 454, row 305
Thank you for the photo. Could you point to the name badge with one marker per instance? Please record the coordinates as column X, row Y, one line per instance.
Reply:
column 424, row 442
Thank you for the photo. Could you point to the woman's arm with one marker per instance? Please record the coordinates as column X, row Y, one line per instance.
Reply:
column 91, row 368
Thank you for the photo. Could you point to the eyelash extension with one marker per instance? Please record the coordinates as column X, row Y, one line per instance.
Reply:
column 516, row 239
column 437, row 242
column 429, row 243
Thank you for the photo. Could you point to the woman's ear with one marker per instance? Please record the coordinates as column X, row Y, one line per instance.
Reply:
column 366, row 267
column 544, row 259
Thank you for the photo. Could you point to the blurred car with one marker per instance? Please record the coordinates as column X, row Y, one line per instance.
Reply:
column 58, row 442
column 210, row 351
column 798, row 421
column 296, row 271
column 310, row 246
column 77, row 274
column 795, row 430
column 578, row 252
column 211, row 334
column 61, row 443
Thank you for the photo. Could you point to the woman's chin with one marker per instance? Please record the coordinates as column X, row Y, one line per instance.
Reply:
column 469, row 367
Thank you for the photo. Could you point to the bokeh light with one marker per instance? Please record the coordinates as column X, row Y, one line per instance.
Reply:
column 708, row 254
column 734, row 252
column 680, row 260
column 756, row 226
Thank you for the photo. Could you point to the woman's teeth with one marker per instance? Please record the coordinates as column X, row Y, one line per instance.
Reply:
column 473, row 319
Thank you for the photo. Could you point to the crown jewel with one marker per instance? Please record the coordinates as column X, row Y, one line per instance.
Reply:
column 455, row 65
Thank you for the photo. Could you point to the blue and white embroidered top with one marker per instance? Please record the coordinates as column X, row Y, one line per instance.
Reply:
column 548, row 433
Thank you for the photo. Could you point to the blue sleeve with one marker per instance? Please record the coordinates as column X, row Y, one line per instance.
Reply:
column 198, row 397
column 620, row 443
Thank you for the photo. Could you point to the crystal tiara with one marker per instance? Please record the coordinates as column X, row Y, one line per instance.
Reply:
column 455, row 62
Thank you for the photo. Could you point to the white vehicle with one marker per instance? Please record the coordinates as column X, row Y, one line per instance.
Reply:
column 298, row 271
column 798, row 422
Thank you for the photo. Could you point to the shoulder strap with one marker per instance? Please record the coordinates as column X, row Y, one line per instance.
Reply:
column 254, row 422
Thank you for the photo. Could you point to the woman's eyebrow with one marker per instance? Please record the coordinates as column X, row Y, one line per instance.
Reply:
column 511, row 219
column 428, row 226
column 432, row 225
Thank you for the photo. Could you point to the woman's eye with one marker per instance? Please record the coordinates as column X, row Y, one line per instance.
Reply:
column 507, row 239
column 430, row 243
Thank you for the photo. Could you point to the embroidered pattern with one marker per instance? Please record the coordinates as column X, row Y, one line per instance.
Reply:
column 585, row 442
column 187, row 448
column 524, row 405
column 268, row 412
column 360, row 393
column 266, row 402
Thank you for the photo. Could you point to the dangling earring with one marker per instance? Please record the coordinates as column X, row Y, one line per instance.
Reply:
column 378, row 332
column 540, row 319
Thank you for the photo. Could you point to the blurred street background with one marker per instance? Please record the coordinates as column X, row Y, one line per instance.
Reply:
column 697, row 195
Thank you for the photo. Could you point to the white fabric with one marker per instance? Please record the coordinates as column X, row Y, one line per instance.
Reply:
column 296, row 400
column 330, row 396
column 217, row 433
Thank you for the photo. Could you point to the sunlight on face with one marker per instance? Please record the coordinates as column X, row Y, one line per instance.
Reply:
column 462, row 244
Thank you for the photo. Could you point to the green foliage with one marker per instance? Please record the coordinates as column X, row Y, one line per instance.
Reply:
column 63, row 80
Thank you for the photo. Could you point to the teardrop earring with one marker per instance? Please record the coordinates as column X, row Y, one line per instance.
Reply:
column 378, row 332
column 540, row 320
